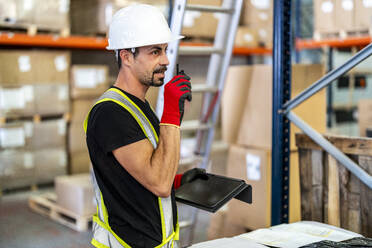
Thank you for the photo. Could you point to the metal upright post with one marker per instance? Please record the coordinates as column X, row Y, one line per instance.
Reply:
column 298, row 33
column 281, row 94
column 329, row 90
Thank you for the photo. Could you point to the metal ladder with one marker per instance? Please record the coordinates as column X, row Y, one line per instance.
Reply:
column 220, row 55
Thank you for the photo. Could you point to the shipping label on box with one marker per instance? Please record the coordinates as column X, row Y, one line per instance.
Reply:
column 246, row 36
column 324, row 16
column 88, row 81
column 344, row 14
column 17, row 101
column 363, row 14
column 257, row 13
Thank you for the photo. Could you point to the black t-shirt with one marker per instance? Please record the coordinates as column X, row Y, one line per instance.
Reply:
column 132, row 209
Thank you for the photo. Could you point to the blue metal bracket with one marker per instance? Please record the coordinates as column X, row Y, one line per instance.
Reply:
column 281, row 125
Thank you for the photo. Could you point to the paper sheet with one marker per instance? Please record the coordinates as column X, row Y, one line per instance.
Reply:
column 298, row 234
column 228, row 243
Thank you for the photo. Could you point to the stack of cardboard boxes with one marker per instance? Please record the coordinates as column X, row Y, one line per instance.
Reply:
column 33, row 103
column 342, row 16
column 44, row 14
column 95, row 17
column 256, row 24
column 247, row 127
column 88, row 82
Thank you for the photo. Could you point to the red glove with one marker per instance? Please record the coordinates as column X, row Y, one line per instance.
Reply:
column 189, row 176
column 176, row 92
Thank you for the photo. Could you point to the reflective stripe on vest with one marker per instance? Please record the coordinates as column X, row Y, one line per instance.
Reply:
column 103, row 235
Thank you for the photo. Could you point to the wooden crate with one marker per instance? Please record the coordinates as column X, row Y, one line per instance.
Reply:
column 329, row 192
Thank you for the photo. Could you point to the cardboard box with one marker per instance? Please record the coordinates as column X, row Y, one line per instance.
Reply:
column 33, row 135
column 363, row 16
column 200, row 24
column 49, row 163
column 364, row 116
column 77, row 138
column 79, row 162
column 17, row 168
column 8, row 11
column 88, row 81
column 255, row 129
column 17, row 101
column 75, row 193
column 52, row 14
column 254, row 166
column 51, row 99
column 257, row 13
column 233, row 100
column 96, row 17
column 220, row 226
column 17, row 67
column 25, row 167
column 80, row 109
column 20, row 67
column 344, row 15
column 246, row 36
column 324, row 16
column 16, row 162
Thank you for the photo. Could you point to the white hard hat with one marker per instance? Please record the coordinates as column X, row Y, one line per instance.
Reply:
column 139, row 25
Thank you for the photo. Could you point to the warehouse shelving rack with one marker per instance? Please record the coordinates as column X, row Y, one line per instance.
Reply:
column 94, row 43
column 282, row 106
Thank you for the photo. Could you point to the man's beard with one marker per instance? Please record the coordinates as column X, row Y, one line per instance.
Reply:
column 151, row 81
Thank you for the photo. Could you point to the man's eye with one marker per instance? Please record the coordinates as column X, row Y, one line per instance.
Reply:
column 155, row 52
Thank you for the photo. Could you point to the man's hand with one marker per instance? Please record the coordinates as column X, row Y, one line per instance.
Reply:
column 189, row 176
column 176, row 92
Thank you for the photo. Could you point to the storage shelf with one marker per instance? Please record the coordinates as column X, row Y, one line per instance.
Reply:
column 95, row 43
column 348, row 42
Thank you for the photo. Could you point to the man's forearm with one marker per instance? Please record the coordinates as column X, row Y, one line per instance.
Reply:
column 165, row 159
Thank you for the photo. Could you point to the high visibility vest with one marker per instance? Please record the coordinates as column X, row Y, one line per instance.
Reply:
column 103, row 235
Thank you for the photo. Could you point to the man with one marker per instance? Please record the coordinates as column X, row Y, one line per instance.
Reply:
column 134, row 157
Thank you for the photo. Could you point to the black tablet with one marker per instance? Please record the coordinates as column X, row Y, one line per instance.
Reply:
column 210, row 194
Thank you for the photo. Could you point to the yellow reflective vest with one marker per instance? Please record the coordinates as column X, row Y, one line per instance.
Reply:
column 103, row 235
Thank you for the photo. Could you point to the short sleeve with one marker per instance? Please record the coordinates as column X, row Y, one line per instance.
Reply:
column 112, row 127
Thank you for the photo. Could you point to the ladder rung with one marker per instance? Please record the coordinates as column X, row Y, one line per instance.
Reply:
column 197, row 88
column 194, row 125
column 199, row 50
column 185, row 223
column 206, row 8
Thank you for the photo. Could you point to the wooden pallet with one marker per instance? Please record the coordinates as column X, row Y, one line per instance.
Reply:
column 46, row 205
column 33, row 29
column 340, row 34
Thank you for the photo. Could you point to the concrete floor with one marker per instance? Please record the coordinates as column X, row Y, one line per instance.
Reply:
column 22, row 228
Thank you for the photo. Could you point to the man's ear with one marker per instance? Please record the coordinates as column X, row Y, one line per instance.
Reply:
column 126, row 57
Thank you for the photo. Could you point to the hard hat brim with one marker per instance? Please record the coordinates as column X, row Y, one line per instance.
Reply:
column 173, row 38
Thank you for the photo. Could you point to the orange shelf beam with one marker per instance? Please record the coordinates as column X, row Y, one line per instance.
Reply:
column 96, row 43
column 40, row 40
column 348, row 42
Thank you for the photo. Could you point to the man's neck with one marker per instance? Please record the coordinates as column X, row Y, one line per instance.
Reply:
column 131, row 85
